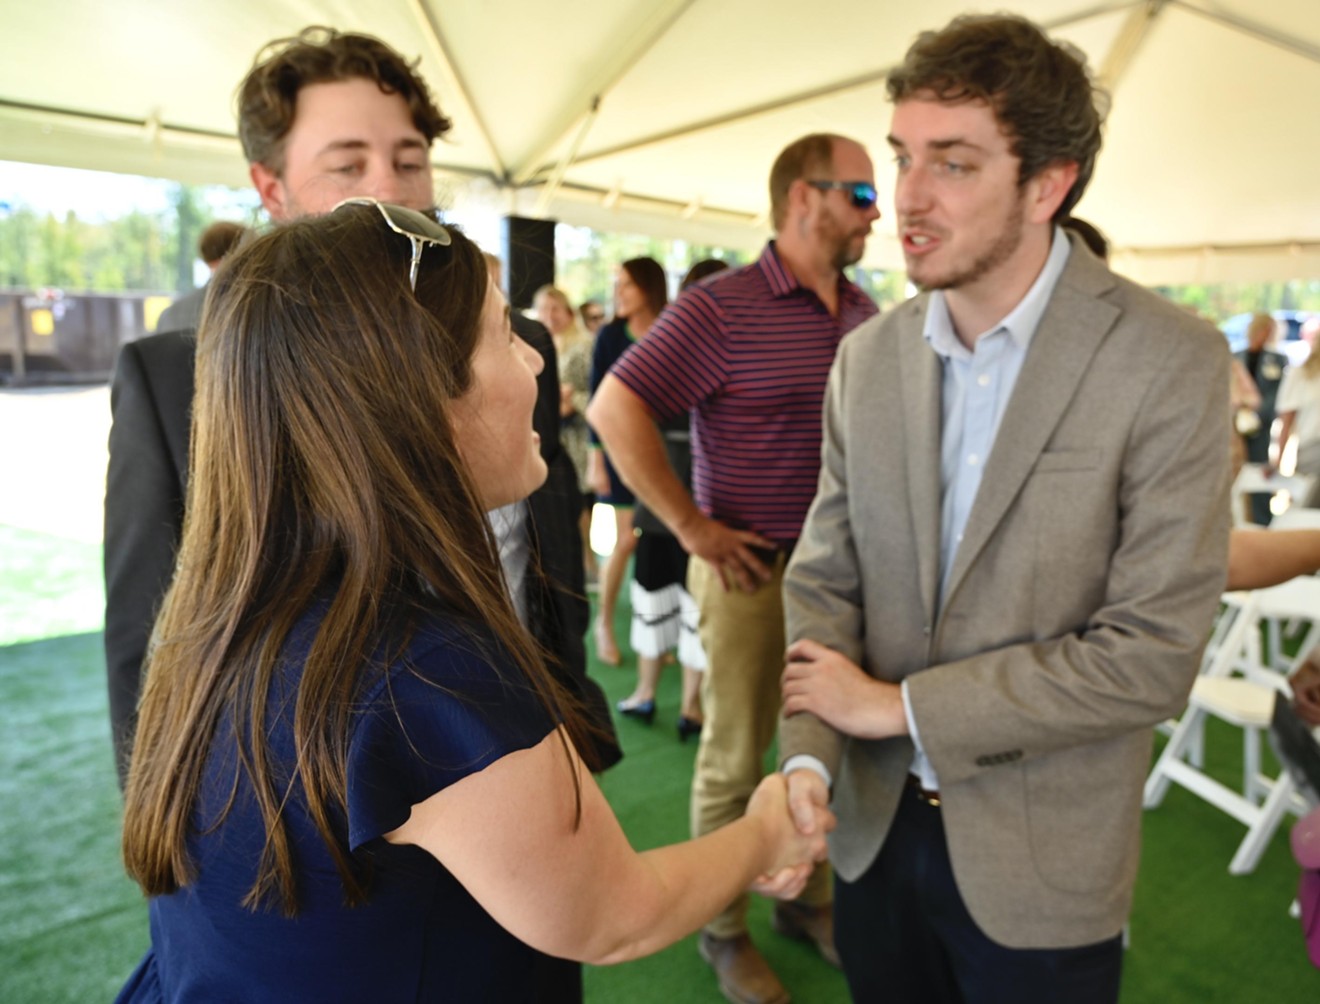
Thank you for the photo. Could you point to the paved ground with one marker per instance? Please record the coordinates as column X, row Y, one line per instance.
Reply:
column 52, row 460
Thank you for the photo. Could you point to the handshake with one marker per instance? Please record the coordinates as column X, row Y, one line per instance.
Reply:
column 794, row 817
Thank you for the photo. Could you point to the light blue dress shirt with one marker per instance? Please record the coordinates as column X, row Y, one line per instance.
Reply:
column 978, row 384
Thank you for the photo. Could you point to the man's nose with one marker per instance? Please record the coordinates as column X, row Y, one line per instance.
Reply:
column 911, row 194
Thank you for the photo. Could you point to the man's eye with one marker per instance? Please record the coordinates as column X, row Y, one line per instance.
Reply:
column 409, row 168
column 346, row 169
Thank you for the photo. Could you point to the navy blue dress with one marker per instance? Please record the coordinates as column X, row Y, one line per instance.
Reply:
column 445, row 711
column 612, row 341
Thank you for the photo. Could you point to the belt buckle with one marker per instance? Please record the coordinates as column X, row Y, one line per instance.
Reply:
column 931, row 798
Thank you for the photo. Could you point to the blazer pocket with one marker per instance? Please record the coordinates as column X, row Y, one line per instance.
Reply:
column 1081, row 821
column 1067, row 460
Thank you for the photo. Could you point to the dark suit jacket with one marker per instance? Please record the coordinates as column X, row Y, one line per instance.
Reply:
column 151, row 402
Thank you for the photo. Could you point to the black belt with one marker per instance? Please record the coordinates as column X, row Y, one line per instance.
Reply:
column 931, row 798
column 767, row 555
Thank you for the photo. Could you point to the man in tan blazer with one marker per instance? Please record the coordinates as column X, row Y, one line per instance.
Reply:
column 1010, row 568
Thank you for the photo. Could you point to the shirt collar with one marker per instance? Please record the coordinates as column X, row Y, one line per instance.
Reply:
column 780, row 277
column 783, row 282
column 1020, row 322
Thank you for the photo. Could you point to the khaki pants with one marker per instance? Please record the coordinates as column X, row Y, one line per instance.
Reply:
column 743, row 635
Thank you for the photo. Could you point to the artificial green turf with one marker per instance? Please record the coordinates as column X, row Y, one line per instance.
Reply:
column 72, row 926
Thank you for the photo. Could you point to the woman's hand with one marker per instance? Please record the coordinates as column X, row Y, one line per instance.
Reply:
column 566, row 400
column 791, row 855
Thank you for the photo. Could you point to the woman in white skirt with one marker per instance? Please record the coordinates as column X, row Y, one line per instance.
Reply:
column 664, row 616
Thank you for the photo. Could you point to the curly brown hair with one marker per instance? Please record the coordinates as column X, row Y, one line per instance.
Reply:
column 1039, row 89
column 268, row 95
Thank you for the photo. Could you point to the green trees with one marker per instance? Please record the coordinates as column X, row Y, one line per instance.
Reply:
column 134, row 251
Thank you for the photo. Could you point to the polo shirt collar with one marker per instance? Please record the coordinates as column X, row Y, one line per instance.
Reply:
column 783, row 282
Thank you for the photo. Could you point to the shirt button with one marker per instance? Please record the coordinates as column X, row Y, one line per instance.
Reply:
column 983, row 380
column 973, row 459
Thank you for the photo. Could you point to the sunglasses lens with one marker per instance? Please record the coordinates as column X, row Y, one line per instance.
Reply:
column 411, row 222
column 864, row 195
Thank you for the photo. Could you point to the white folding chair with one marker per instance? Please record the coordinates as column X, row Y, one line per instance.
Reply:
column 1238, row 686
column 1251, row 480
column 1279, row 633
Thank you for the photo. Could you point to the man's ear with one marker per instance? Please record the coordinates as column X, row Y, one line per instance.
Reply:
column 271, row 189
column 1049, row 188
column 796, row 205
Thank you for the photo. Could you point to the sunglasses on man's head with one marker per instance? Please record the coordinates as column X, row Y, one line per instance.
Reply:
column 861, row 194
column 419, row 228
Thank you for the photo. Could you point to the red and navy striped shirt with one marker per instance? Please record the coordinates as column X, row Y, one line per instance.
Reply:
column 748, row 353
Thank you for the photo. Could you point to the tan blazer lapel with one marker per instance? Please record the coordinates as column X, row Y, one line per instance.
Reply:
column 921, row 381
column 1070, row 332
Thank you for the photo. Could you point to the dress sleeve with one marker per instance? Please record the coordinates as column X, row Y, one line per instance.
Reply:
column 452, row 711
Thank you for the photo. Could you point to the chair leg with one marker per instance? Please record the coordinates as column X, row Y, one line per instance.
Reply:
column 1252, row 789
column 1259, row 833
column 1187, row 735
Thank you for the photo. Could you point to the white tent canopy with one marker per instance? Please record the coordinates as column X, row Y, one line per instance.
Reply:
column 663, row 117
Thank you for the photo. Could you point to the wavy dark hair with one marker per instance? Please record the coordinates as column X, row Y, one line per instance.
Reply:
column 268, row 95
column 324, row 469
column 1040, row 90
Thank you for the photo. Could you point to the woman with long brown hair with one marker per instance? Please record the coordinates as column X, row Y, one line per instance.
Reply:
column 640, row 293
column 353, row 778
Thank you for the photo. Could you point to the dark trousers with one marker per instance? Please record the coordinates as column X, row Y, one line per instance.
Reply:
column 905, row 935
column 1258, row 452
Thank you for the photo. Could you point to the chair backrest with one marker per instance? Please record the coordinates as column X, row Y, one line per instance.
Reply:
column 1251, row 480
column 1296, row 518
column 1295, row 600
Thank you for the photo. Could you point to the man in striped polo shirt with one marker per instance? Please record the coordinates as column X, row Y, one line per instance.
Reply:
column 748, row 353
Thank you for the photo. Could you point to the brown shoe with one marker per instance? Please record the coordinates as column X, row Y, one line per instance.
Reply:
column 808, row 923
column 745, row 977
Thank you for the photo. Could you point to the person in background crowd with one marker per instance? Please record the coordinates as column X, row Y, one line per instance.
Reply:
column 593, row 316
column 1266, row 368
column 747, row 352
column 1009, row 572
column 664, row 615
column 354, row 777
column 1298, row 404
column 573, row 347
column 640, row 293
column 216, row 241
column 1092, row 236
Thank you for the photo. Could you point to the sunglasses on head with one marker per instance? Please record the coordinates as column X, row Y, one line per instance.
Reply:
column 419, row 228
column 861, row 194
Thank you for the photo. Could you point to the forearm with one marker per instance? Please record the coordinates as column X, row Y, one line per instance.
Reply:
column 674, row 890
column 637, row 451
column 1261, row 558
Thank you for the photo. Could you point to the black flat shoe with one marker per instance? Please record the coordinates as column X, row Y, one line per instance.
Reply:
column 687, row 727
column 642, row 710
